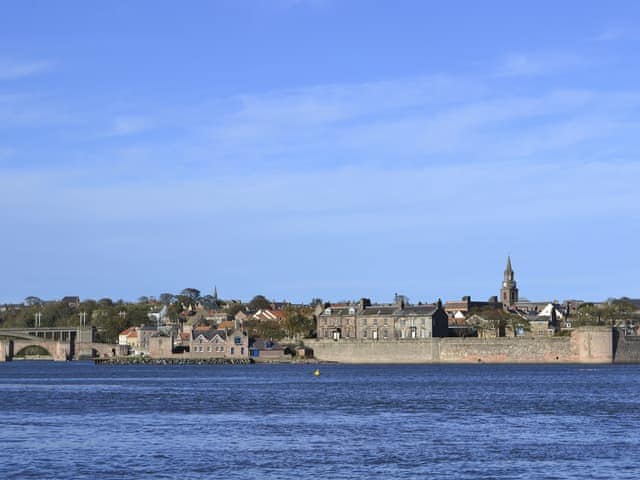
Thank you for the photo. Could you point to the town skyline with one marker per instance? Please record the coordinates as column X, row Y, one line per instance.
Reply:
column 213, row 292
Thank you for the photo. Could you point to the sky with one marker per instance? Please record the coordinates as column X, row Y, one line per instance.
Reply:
column 319, row 148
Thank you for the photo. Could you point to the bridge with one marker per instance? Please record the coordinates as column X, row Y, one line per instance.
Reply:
column 53, row 343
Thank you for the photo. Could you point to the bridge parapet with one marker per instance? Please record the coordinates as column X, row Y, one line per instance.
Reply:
column 59, row 351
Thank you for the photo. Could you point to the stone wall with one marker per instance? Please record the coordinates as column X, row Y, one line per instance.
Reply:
column 626, row 348
column 585, row 345
column 86, row 350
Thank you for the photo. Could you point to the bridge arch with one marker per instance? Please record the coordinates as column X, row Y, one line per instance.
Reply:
column 33, row 352
column 56, row 350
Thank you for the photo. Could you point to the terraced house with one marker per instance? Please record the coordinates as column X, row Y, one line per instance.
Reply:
column 214, row 343
column 395, row 321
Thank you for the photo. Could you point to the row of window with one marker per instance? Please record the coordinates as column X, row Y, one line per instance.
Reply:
column 218, row 349
column 412, row 332
column 385, row 322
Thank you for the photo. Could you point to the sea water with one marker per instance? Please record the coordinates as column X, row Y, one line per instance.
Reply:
column 82, row 421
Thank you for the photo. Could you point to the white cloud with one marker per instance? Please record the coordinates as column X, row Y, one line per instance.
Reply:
column 10, row 69
column 613, row 34
column 527, row 64
column 130, row 125
column 412, row 119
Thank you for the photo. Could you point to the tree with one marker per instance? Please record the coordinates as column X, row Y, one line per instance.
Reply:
column 32, row 301
column 234, row 308
column 265, row 329
column 167, row 298
column 105, row 302
column 259, row 302
column 587, row 314
column 496, row 320
column 297, row 322
column 618, row 311
column 192, row 293
column 208, row 302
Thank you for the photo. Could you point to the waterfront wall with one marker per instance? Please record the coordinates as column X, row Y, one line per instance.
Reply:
column 585, row 345
column 626, row 348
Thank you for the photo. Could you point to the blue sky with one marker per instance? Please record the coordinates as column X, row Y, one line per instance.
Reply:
column 320, row 148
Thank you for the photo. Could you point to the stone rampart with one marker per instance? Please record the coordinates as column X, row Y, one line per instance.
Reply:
column 585, row 345
column 626, row 348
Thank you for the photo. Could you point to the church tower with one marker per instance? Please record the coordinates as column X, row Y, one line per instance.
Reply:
column 509, row 291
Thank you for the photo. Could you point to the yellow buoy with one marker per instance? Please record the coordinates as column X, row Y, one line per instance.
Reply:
column 317, row 372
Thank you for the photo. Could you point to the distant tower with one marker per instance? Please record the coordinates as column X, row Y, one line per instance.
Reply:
column 509, row 291
column 215, row 294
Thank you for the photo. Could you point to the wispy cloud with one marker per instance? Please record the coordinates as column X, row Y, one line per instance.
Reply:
column 417, row 120
column 12, row 69
column 129, row 125
column 613, row 34
column 525, row 64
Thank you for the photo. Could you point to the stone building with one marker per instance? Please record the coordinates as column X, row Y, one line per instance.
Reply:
column 399, row 320
column 466, row 304
column 338, row 321
column 213, row 343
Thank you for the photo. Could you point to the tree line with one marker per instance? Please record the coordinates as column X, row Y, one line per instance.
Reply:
column 112, row 317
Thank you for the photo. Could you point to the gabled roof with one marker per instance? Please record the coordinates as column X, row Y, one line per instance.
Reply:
column 340, row 310
column 127, row 331
column 266, row 314
column 549, row 310
column 209, row 334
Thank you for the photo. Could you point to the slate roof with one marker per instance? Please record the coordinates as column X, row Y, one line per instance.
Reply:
column 383, row 310
column 264, row 344
column 341, row 310
column 379, row 310
column 418, row 310
column 210, row 333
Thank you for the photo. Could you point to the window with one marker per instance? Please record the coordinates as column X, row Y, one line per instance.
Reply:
column 232, row 350
column 209, row 348
column 242, row 351
column 237, row 340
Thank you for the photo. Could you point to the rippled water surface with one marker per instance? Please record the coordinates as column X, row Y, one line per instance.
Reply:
column 77, row 420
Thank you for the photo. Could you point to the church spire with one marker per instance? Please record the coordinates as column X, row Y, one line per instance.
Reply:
column 215, row 293
column 508, row 272
column 509, row 290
